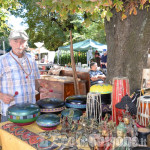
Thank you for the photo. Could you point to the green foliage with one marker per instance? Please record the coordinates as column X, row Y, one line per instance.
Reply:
column 47, row 23
column 126, row 7
column 6, row 42
column 66, row 59
column 5, row 7
column 43, row 26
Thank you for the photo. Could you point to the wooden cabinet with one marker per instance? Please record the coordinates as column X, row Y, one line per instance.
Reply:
column 59, row 89
column 81, row 75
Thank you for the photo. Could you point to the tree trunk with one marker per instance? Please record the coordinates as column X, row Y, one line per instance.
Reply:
column 128, row 44
column 76, row 83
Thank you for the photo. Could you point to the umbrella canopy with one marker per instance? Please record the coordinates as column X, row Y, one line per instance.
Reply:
column 85, row 46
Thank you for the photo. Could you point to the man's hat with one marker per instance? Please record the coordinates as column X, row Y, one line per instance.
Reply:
column 104, row 50
column 126, row 100
column 18, row 34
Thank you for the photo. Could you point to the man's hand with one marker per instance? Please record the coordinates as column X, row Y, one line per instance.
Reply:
column 103, row 77
column 6, row 98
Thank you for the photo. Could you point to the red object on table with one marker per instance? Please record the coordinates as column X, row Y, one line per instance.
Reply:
column 120, row 88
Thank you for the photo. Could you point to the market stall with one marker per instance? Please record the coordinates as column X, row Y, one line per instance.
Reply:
column 87, row 46
column 81, row 121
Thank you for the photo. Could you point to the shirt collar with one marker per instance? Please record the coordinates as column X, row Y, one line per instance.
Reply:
column 16, row 57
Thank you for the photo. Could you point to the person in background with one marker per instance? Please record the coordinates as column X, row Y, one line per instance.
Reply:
column 96, row 76
column 36, row 57
column 98, row 59
column 104, row 61
column 18, row 72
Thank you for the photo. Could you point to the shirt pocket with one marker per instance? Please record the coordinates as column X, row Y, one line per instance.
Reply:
column 7, row 73
column 10, row 72
column 7, row 80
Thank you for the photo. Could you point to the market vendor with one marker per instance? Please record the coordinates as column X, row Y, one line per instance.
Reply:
column 18, row 72
column 96, row 76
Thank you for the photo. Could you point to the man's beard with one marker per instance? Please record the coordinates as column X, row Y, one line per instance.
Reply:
column 19, row 51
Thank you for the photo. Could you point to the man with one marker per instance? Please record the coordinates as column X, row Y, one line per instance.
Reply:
column 18, row 71
column 104, row 61
column 96, row 76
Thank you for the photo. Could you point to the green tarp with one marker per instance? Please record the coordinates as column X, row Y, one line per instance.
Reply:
column 85, row 46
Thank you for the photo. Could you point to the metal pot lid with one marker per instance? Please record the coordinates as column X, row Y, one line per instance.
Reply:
column 50, row 103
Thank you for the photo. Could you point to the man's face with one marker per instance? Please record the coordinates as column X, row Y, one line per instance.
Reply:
column 105, row 53
column 18, row 45
column 94, row 67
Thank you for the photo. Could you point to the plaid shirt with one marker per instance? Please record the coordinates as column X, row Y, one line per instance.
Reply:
column 94, row 74
column 13, row 78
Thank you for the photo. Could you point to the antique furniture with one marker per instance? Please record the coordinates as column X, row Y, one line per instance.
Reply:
column 59, row 87
column 81, row 75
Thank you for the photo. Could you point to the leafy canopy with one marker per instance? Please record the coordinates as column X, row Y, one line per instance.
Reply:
column 49, row 27
column 93, row 7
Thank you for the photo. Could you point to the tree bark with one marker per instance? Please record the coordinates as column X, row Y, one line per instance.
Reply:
column 128, row 44
column 76, row 83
